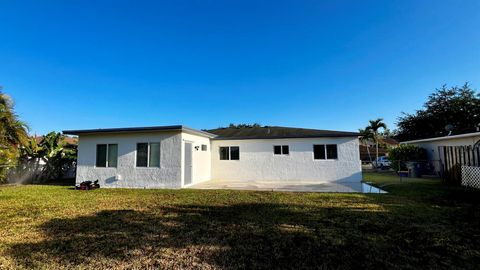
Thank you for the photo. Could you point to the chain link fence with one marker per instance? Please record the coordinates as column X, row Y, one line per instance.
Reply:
column 408, row 168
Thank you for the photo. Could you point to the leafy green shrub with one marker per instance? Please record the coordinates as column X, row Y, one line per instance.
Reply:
column 57, row 155
column 405, row 152
column 8, row 159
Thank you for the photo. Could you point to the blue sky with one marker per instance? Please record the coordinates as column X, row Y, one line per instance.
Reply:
column 316, row 64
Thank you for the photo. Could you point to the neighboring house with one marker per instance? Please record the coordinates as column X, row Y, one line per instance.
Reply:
column 178, row 156
column 433, row 145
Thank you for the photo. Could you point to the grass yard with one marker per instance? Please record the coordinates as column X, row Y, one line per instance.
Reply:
column 419, row 224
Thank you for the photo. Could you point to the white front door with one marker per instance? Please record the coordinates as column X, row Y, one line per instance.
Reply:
column 188, row 164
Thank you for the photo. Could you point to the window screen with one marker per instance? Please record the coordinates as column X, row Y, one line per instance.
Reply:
column 101, row 155
column 142, row 154
column 154, row 155
column 112, row 155
column 235, row 153
column 319, row 151
column 224, row 153
column 332, row 151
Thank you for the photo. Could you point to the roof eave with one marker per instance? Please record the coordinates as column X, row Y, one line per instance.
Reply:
column 198, row 132
column 288, row 137
column 459, row 136
column 179, row 128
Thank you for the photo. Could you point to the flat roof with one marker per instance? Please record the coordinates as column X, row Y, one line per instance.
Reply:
column 275, row 132
column 466, row 135
column 140, row 129
column 245, row 133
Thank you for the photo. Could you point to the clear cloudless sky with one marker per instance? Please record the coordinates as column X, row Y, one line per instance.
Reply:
column 205, row 64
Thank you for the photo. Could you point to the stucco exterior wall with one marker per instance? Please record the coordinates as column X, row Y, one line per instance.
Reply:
column 127, row 174
column 201, row 160
column 257, row 161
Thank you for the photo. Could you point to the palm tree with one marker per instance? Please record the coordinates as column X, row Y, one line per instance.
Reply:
column 374, row 126
column 366, row 135
column 13, row 132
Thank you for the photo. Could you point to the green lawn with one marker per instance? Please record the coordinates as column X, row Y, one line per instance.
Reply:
column 419, row 224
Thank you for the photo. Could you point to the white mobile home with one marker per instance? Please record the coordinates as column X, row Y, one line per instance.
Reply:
column 178, row 156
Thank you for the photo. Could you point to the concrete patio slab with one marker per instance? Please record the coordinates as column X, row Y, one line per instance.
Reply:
column 295, row 186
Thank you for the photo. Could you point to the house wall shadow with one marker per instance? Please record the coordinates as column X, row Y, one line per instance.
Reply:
column 246, row 236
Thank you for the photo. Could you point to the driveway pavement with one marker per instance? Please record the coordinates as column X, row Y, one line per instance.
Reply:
column 298, row 186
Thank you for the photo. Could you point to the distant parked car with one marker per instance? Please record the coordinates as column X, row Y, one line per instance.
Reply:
column 382, row 162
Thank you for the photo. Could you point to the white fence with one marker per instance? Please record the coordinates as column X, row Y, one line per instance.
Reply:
column 471, row 176
column 31, row 172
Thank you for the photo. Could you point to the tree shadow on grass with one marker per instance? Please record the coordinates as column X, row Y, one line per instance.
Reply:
column 246, row 236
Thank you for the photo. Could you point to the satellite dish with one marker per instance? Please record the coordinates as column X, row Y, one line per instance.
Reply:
column 449, row 128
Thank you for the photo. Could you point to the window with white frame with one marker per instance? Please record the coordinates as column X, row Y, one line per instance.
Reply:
column 325, row 151
column 107, row 155
column 204, row 147
column 281, row 150
column 148, row 154
column 229, row 153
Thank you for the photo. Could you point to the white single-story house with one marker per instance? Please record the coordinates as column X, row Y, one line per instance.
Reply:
column 178, row 156
column 433, row 146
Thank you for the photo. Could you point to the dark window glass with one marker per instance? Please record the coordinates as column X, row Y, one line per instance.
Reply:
column 235, row 153
column 319, row 151
column 224, row 153
column 112, row 155
column 277, row 149
column 332, row 151
column 101, row 155
column 204, row 147
column 285, row 150
column 142, row 154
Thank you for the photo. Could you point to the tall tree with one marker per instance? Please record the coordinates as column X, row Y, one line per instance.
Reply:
column 375, row 126
column 366, row 135
column 456, row 106
column 13, row 133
